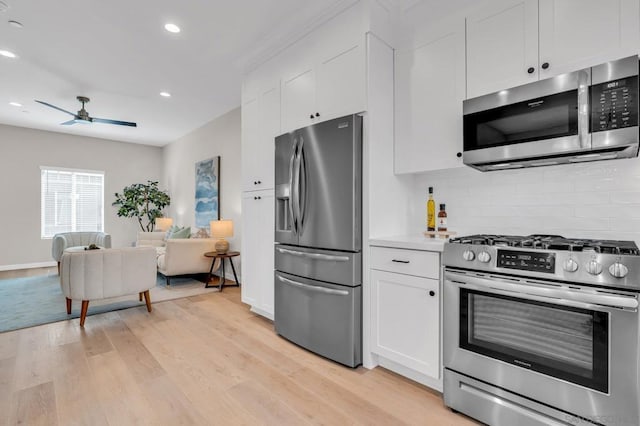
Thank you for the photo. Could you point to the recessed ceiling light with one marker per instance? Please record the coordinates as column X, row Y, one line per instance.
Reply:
column 7, row 54
column 165, row 94
column 15, row 24
column 15, row 104
column 172, row 28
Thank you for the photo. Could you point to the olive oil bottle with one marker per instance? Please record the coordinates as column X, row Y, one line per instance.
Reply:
column 431, row 211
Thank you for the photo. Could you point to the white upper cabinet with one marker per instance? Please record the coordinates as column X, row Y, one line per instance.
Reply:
column 429, row 90
column 260, row 126
column 510, row 43
column 502, row 47
column 325, row 77
column 341, row 82
column 576, row 34
column 298, row 99
column 329, row 87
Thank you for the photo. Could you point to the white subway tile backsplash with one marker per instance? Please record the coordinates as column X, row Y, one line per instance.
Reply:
column 626, row 197
column 591, row 200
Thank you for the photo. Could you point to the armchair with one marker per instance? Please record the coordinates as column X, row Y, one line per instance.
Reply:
column 101, row 274
column 66, row 240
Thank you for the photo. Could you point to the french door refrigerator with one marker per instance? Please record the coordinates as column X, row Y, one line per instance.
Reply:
column 318, row 238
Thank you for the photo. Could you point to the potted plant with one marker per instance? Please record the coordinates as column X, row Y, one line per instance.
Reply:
column 142, row 201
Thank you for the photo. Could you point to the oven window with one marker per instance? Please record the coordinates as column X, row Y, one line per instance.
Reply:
column 563, row 342
column 548, row 117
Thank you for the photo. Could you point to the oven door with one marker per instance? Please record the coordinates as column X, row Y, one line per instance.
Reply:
column 537, row 120
column 575, row 348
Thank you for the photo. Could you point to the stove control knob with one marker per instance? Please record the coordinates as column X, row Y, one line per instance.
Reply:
column 484, row 257
column 618, row 270
column 570, row 265
column 594, row 268
column 468, row 255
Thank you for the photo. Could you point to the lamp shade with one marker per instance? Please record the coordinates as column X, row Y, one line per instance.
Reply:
column 221, row 228
column 164, row 223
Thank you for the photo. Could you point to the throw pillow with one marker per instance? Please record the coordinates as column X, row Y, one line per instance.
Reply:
column 171, row 230
column 182, row 233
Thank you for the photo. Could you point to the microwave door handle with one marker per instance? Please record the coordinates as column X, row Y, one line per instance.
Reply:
column 584, row 108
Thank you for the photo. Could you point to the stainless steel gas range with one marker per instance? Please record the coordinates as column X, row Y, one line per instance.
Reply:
column 542, row 330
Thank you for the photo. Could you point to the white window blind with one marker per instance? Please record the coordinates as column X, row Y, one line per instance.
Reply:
column 71, row 200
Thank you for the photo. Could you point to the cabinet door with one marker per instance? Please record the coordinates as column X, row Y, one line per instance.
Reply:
column 341, row 83
column 257, row 250
column 575, row 34
column 269, row 128
column 250, row 140
column 298, row 99
column 260, row 126
column 429, row 90
column 502, row 46
column 406, row 320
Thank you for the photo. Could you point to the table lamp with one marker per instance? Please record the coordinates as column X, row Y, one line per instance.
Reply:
column 163, row 223
column 221, row 229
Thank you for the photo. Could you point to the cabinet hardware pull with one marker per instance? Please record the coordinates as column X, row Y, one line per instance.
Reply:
column 531, row 70
column 545, row 65
column 311, row 116
column 432, row 293
column 399, row 261
column 317, row 114
column 459, row 155
column 257, row 198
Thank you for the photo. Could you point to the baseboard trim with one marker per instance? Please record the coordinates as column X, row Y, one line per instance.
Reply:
column 27, row 266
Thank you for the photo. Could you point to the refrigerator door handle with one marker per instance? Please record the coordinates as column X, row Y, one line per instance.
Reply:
column 292, row 197
column 302, row 184
column 313, row 287
column 317, row 256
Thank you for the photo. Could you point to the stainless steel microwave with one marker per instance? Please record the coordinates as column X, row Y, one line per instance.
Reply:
column 586, row 115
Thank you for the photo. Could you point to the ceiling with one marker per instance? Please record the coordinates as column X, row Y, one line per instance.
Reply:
column 118, row 54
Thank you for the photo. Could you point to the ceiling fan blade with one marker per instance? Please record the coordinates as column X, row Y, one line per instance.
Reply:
column 68, row 123
column 55, row 107
column 107, row 121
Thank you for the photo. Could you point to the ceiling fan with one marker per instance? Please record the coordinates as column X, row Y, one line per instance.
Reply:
column 83, row 116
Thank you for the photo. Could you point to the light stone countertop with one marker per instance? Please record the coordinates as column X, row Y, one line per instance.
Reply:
column 413, row 241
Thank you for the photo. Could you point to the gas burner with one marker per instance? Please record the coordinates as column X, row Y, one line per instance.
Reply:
column 552, row 242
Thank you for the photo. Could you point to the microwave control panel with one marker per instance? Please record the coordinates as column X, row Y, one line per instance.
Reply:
column 526, row 261
column 614, row 104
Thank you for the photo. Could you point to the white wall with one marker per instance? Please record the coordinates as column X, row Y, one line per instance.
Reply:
column 218, row 137
column 23, row 151
column 589, row 200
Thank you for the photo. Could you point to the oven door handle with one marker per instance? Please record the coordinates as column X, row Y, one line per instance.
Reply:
column 550, row 295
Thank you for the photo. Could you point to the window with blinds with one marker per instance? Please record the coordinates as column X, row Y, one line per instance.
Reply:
column 71, row 200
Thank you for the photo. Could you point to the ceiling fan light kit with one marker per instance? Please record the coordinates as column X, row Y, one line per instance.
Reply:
column 83, row 117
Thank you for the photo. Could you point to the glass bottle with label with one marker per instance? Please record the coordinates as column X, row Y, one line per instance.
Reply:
column 442, row 219
column 431, row 211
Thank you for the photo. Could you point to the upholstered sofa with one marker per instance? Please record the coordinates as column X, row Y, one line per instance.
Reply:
column 180, row 256
column 66, row 240
column 88, row 275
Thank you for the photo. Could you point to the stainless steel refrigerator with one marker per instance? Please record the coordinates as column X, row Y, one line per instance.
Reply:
column 318, row 236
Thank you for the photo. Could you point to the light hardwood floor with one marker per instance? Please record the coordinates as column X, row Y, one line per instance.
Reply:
column 202, row 360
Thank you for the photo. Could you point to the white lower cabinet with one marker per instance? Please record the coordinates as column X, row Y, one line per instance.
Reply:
column 405, row 311
column 257, row 251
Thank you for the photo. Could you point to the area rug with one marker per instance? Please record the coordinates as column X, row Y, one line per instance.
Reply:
column 29, row 301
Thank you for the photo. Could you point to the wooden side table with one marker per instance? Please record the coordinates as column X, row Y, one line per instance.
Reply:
column 222, row 256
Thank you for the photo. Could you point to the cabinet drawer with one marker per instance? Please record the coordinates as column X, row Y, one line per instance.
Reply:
column 410, row 262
